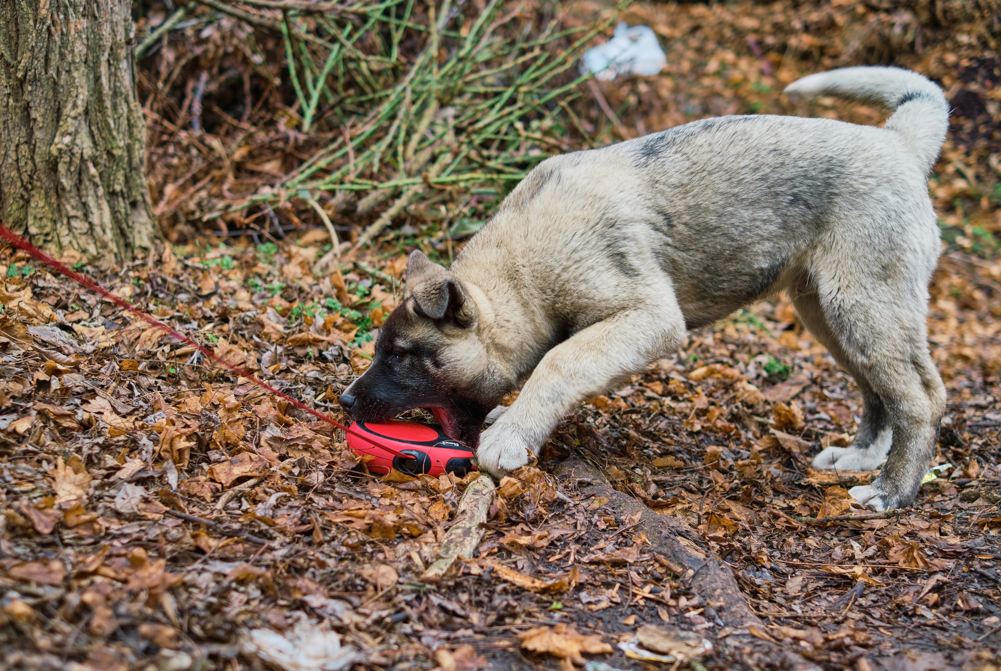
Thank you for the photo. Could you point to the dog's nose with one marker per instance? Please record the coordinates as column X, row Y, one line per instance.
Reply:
column 347, row 401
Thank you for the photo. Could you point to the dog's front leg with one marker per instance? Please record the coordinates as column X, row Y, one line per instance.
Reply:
column 585, row 365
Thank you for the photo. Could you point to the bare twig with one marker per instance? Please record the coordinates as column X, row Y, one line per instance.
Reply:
column 161, row 30
column 230, row 493
column 853, row 517
column 218, row 527
column 607, row 109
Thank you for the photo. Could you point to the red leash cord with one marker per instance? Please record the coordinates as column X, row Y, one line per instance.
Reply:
column 63, row 269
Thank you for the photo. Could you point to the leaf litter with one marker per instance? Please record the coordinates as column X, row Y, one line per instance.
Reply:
column 158, row 511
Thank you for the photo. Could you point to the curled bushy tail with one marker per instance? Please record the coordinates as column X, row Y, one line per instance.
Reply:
column 920, row 110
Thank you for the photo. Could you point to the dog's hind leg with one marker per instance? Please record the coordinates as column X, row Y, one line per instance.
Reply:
column 875, row 326
column 587, row 364
column 874, row 435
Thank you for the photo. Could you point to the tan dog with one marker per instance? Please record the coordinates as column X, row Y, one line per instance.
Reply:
column 600, row 261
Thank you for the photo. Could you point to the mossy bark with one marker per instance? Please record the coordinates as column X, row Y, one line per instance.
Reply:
column 72, row 134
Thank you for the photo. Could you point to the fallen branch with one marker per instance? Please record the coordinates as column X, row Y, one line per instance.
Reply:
column 163, row 28
column 851, row 517
column 229, row 494
column 465, row 534
column 217, row 527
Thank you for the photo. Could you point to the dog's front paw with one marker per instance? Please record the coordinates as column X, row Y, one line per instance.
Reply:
column 847, row 459
column 501, row 451
column 872, row 496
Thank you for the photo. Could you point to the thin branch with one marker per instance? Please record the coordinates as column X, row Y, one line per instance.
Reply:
column 853, row 517
column 218, row 527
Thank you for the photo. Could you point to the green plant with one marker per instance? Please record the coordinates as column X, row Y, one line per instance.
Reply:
column 983, row 242
column 266, row 251
column 476, row 104
column 775, row 367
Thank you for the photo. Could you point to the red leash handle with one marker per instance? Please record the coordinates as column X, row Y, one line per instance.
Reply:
column 65, row 270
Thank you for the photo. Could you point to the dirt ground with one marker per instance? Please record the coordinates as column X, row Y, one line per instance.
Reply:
column 161, row 513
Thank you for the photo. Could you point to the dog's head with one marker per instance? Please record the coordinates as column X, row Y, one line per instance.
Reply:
column 429, row 355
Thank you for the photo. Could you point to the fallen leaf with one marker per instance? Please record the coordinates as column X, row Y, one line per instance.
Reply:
column 908, row 553
column 44, row 520
column 21, row 425
column 51, row 572
column 509, row 488
column 128, row 498
column 383, row 576
column 304, row 647
column 245, row 464
column 788, row 416
column 668, row 462
column 463, row 658
column 794, row 585
column 130, row 468
column 561, row 584
column 564, row 642
column 678, row 643
column 837, row 501
column 626, row 555
column 70, row 483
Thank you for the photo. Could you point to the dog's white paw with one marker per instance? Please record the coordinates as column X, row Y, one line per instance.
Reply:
column 829, row 457
column 501, row 451
column 867, row 495
column 848, row 459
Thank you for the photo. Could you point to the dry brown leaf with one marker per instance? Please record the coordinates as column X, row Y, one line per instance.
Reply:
column 383, row 576
column 51, row 572
column 463, row 658
column 561, row 584
column 837, row 501
column 243, row 465
column 44, row 520
column 910, row 554
column 564, row 642
column 793, row 444
column 788, row 416
column 626, row 555
column 70, row 483
column 509, row 488
column 668, row 462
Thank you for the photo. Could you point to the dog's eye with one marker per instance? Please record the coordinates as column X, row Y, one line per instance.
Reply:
column 397, row 355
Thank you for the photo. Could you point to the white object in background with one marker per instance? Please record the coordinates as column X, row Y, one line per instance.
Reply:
column 632, row 51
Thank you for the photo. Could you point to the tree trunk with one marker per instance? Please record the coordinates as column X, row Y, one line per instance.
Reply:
column 72, row 134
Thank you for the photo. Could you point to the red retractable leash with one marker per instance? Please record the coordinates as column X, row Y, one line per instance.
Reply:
column 406, row 446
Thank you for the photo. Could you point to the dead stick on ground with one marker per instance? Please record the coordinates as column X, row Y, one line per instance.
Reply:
column 408, row 196
column 229, row 494
column 464, row 536
column 852, row 517
column 218, row 527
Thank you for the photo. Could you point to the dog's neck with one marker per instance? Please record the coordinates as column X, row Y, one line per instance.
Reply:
column 508, row 327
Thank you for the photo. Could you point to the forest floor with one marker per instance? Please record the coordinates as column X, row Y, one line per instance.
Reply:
column 160, row 513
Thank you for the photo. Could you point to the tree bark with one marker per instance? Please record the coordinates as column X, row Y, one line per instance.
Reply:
column 72, row 133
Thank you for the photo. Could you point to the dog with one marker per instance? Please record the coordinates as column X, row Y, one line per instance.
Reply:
column 599, row 262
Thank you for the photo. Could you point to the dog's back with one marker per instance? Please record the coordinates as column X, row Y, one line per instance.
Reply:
column 741, row 199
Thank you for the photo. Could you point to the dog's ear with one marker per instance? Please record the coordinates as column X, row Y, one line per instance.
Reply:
column 420, row 269
column 437, row 293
